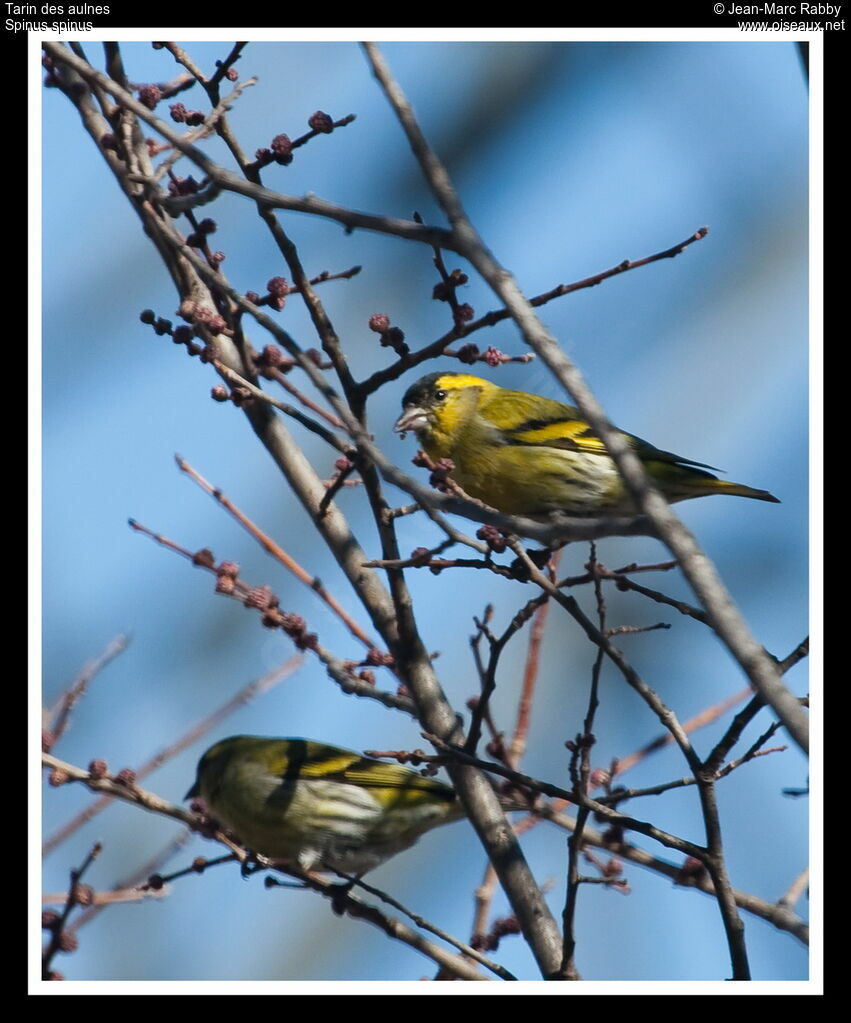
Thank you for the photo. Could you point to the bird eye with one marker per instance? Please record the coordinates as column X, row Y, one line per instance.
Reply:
column 440, row 395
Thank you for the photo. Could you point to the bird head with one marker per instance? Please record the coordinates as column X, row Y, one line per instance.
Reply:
column 439, row 402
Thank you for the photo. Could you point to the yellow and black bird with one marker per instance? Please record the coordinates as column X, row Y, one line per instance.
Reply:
column 528, row 455
column 319, row 807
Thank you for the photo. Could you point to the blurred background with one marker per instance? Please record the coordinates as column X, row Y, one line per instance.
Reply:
column 569, row 157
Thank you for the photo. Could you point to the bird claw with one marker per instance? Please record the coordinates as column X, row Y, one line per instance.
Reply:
column 252, row 864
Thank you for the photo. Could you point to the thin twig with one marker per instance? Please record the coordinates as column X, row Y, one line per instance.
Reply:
column 651, row 698
column 420, row 921
column 63, row 773
column 581, row 779
column 100, row 900
column 275, row 549
column 497, row 646
column 747, row 714
column 517, row 746
column 490, row 319
column 519, row 739
column 796, row 890
column 595, row 806
column 205, row 129
column 781, row 916
column 56, row 719
column 700, row 720
column 59, row 938
column 130, row 884
column 344, row 901
column 256, row 392
column 263, row 600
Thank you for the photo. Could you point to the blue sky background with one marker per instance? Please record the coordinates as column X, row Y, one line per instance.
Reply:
column 569, row 158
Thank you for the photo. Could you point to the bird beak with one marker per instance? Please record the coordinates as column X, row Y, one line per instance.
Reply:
column 194, row 792
column 413, row 418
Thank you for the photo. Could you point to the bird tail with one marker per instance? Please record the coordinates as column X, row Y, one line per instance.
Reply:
column 740, row 490
column 703, row 485
column 680, row 482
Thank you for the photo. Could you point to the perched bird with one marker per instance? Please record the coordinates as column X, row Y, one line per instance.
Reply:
column 527, row 455
column 316, row 806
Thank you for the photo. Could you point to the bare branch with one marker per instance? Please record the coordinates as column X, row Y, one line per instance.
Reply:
column 56, row 719
column 63, row 773
column 275, row 549
column 774, row 912
column 420, row 921
column 344, row 901
column 264, row 601
column 796, row 890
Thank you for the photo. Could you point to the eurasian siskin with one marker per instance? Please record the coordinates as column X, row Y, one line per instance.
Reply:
column 528, row 455
column 316, row 806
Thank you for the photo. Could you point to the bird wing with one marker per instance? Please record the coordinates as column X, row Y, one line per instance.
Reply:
column 333, row 764
column 529, row 420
